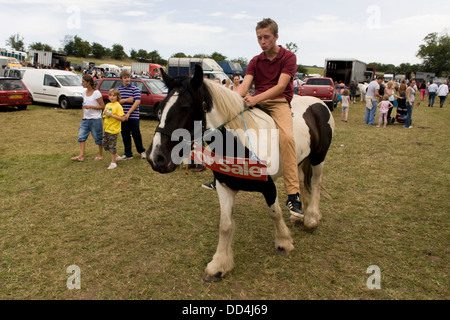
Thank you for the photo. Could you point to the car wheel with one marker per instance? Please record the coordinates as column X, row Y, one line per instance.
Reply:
column 64, row 103
column 158, row 113
column 22, row 107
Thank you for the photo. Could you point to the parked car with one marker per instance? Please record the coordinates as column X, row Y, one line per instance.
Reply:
column 13, row 92
column 58, row 87
column 153, row 91
column 322, row 88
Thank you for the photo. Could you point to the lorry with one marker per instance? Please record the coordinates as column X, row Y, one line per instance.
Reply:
column 185, row 67
column 347, row 70
column 231, row 68
column 145, row 68
column 49, row 59
column 322, row 88
column 6, row 62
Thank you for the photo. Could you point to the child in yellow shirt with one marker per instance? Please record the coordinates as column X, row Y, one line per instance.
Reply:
column 113, row 116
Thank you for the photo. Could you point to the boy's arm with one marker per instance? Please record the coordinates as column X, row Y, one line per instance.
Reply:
column 273, row 92
column 245, row 85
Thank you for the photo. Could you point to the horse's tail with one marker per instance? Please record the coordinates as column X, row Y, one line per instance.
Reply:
column 306, row 167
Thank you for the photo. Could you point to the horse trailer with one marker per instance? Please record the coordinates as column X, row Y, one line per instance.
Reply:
column 346, row 70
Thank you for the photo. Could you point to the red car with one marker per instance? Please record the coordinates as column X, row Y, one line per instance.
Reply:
column 322, row 88
column 153, row 91
column 13, row 92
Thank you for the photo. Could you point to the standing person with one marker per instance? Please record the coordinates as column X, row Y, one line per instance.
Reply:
column 345, row 105
column 390, row 91
column 410, row 97
column 384, row 106
column 423, row 90
column 236, row 83
column 113, row 116
column 272, row 72
column 130, row 100
column 91, row 119
column 432, row 89
column 353, row 87
column 373, row 92
column 442, row 93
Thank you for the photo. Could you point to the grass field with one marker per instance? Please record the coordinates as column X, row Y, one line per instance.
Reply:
column 136, row 234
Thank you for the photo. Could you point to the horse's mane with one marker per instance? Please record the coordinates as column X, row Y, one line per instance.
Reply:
column 229, row 105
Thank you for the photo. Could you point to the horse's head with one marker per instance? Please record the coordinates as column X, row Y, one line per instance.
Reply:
column 186, row 102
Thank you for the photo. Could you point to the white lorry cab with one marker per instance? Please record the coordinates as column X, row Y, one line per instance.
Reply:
column 58, row 87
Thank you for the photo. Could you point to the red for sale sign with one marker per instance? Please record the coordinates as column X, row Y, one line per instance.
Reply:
column 236, row 167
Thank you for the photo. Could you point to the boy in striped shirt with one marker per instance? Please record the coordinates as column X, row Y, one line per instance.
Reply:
column 130, row 100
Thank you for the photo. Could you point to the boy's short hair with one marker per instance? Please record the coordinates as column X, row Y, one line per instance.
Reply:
column 268, row 23
column 125, row 73
column 114, row 92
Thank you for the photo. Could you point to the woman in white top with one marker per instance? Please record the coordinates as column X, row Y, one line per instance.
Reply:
column 442, row 93
column 91, row 121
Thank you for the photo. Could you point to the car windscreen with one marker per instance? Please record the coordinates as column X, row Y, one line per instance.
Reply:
column 11, row 84
column 69, row 80
column 319, row 82
column 157, row 87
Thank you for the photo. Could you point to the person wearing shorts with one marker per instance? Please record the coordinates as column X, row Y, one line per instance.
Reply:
column 91, row 120
column 114, row 116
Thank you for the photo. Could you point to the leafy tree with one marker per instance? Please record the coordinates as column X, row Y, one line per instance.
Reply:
column 291, row 46
column 302, row 69
column 218, row 57
column 435, row 53
column 133, row 54
column 40, row 46
column 242, row 61
column 16, row 42
column 155, row 57
column 142, row 55
column 98, row 51
column 77, row 47
column 117, row 52
column 179, row 55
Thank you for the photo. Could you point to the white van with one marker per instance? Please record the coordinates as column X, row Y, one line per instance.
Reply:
column 58, row 87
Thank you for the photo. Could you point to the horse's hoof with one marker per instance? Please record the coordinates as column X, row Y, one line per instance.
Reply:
column 295, row 220
column 214, row 278
column 282, row 252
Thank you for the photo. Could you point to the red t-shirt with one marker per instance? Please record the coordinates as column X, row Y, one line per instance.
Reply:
column 266, row 73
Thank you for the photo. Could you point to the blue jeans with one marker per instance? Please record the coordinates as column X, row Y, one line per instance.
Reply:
column 370, row 114
column 94, row 126
column 131, row 128
column 442, row 100
column 409, row 110
column 431, row 97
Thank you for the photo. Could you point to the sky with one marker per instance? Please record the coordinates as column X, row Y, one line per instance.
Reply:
column 384, row 31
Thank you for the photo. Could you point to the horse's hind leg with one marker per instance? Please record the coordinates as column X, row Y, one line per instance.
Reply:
column 222, row 261
column 312, row 213
column 304, row 177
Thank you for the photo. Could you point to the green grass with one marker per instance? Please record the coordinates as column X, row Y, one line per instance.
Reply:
column 136, row 234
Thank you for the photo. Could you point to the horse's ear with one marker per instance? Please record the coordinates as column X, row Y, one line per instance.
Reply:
column 166, row 78
column 197, row 79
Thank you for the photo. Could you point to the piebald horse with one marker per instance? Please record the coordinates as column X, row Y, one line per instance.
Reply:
column 198, row 99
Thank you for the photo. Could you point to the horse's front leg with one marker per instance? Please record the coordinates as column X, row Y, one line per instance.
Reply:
column 222, row 261
column 283, row 240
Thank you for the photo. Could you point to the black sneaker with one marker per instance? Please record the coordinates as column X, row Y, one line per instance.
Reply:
column 209, row 185
column 295, row 206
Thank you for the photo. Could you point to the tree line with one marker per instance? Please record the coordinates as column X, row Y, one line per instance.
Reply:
column 435, row 53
